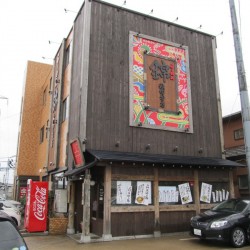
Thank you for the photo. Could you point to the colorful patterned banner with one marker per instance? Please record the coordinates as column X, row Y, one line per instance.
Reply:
column 180, row 120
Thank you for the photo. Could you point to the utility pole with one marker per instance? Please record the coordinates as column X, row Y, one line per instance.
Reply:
column 242, row 86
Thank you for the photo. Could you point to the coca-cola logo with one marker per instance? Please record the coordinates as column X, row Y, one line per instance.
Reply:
column 40, row 203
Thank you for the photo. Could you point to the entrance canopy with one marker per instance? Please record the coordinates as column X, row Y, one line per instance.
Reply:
column 115, row 156
column 165, row 160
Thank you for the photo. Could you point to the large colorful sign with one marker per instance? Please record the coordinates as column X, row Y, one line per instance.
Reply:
column 160, row 95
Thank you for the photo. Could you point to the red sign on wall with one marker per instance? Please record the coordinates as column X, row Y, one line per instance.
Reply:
column 77, row 153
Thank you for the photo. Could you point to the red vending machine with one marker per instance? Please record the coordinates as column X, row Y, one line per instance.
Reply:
column 35, row 217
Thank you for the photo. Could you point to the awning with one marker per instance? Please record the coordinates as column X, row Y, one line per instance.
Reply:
column 167, row 160
column 59, row 170
column 114, row 156
column 78, row 170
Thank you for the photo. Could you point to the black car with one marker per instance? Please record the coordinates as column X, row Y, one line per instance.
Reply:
column 10, row 237
column 229, row 221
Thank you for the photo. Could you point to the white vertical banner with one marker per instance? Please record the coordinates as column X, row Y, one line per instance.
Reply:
column 123, row 192
column 143, row 193
column 206, row 191
column 185, row 193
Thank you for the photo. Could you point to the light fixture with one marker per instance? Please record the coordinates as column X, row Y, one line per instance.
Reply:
column 151, row 12
column 66, row 11
column 51, row 42
column 47, row 58
column 117, row 144
column 200, row 150
column 175, row 149
column 221, row 33
column 175, row 20
column 147, row 146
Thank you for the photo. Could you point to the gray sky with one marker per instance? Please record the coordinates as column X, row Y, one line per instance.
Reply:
column 27, row 26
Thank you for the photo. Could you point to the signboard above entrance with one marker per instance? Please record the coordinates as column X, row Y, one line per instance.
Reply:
column 79, row 160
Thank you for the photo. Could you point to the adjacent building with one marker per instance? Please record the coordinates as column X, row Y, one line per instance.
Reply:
column 34, row 124
column 235, row 150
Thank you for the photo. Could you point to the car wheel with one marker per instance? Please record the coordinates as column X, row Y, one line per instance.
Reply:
column 238, row 237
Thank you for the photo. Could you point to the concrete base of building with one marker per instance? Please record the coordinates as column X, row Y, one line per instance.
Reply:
column 157, row 234
column 70, row 231
column 85, row 239
column 107, row 237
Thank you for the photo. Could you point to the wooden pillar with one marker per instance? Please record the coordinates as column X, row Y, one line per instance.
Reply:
column 196, row 191
column 107, row 236
column 85, row 237
column 157, row 229
column 71, row 200
column 231, row 184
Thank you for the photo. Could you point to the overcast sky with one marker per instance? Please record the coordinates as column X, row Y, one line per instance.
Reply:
column 27, row 26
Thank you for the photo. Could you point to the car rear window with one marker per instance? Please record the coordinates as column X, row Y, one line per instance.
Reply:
column 10, row 237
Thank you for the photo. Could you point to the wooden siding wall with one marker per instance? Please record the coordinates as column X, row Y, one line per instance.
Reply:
column 175, row 221
column 108, row 89
column 74, row 114
column 132, row 224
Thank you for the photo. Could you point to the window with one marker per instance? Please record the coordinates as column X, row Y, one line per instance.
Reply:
column 44, row 96
column 243, row 182
column 67, row 56
column 238, row 134
column 47, row 129
column 214, row 192
column 176, row 193
column 132, row 193
column 42, row 134
column 65, row 107
column 50, row 85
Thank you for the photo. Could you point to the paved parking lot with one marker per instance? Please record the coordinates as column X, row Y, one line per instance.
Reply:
column 181, row 241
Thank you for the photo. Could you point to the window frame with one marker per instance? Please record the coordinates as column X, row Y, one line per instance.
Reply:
column 42, row 134
column 239, row 134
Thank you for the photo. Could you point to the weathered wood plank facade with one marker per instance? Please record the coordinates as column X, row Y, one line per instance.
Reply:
column 108, row 85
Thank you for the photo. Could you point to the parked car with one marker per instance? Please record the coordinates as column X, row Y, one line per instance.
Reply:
column 10, row 237
column 229, row 221
column 14, row 213
column 14, row 204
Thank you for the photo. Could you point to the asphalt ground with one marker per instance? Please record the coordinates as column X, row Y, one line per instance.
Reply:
column 180, row 241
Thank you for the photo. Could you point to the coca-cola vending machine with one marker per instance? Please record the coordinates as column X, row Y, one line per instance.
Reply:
column 35, row 217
